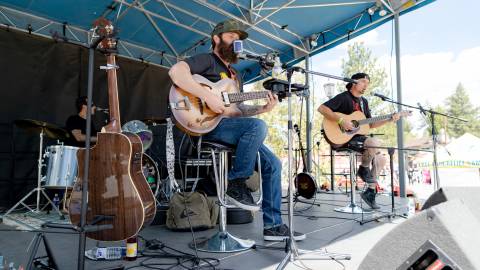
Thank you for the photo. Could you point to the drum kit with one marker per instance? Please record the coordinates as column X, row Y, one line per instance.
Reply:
column 43, row 129
column 60, row 161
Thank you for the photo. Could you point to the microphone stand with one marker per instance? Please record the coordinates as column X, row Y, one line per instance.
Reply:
column 392, row 213
column 303, row 70
column 291, row 247
column 436, row 177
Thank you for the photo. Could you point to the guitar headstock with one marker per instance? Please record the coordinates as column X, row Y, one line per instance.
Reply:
column 104, row 30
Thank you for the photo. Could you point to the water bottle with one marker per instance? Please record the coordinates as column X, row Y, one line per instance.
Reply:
column 1, row 262
column 56, row 200
column 106, row 253
column 411, row 206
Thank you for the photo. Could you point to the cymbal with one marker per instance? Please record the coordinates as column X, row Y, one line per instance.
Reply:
column 153, row 121
column 36, row 126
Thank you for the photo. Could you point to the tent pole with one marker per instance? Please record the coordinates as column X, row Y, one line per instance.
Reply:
column 401, row 156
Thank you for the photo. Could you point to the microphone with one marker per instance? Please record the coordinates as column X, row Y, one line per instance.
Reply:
column 270, row 60
column 381, row 96
column 422, row 110
column 263, row 60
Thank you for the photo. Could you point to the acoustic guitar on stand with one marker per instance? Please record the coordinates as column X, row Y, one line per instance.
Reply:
column 337, row 136
column 192, row 114
column 118, row 193
column 304, row 181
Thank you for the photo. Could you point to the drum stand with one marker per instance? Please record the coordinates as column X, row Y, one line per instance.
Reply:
column 39, row 189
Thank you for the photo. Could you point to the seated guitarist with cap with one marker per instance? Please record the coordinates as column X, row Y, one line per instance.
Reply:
column 239, row 129
column 347, row 103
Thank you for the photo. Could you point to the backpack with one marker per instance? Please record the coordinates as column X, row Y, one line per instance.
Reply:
column 203, row 212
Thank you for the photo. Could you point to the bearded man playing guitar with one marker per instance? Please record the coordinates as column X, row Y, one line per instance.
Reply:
column 237, row 127
column 347, row 103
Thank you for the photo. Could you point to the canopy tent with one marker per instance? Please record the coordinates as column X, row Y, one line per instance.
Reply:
column 161, row 32
column 461, row 152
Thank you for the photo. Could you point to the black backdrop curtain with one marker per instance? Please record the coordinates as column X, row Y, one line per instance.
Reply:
column 40, row 79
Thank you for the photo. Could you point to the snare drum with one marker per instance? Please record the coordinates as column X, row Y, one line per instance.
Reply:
column 151, row 173
column 139, row 128
column 61, row 166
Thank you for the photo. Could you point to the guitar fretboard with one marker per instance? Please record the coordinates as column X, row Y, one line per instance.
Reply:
column 239, row 97
column 375, row 119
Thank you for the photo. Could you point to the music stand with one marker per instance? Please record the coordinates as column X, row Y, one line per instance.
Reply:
column 51, row 262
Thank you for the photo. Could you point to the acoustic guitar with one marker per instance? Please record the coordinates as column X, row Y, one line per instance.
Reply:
column 192, row 114
column 337, row 136
column 118, row 193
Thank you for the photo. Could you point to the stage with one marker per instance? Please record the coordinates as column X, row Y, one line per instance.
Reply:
column 326, row 230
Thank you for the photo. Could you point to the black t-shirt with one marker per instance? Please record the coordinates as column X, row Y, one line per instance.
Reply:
column 77, row 122
column 210, row 66
column 346, row 103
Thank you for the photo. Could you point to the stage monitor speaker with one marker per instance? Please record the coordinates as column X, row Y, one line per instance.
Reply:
column 445, row 236
column 469, row 195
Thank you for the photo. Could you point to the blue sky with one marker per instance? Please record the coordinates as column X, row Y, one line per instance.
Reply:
column 440, row 47
column 442, row 25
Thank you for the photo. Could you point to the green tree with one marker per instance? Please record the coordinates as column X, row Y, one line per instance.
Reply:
column 459, row 105
column 277, row 119
column 360, row 59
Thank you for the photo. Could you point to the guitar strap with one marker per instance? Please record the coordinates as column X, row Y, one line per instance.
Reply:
column 359, row 101
column 223, row 75
column 233, row 75
column 362, row 104
column 170, row 153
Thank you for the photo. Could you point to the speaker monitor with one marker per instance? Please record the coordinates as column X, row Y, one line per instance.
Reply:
column 469, row 195
column 444, row 236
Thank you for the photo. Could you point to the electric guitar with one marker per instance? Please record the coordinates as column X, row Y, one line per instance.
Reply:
column 192, row 114
column 118, row 193
column 337, row 136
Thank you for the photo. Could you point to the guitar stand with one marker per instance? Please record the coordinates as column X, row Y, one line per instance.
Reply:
column 297, row 199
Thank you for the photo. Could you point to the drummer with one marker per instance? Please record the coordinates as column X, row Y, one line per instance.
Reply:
column 77, row 124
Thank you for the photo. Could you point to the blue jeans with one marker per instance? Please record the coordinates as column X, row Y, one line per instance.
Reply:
column 248, row 134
